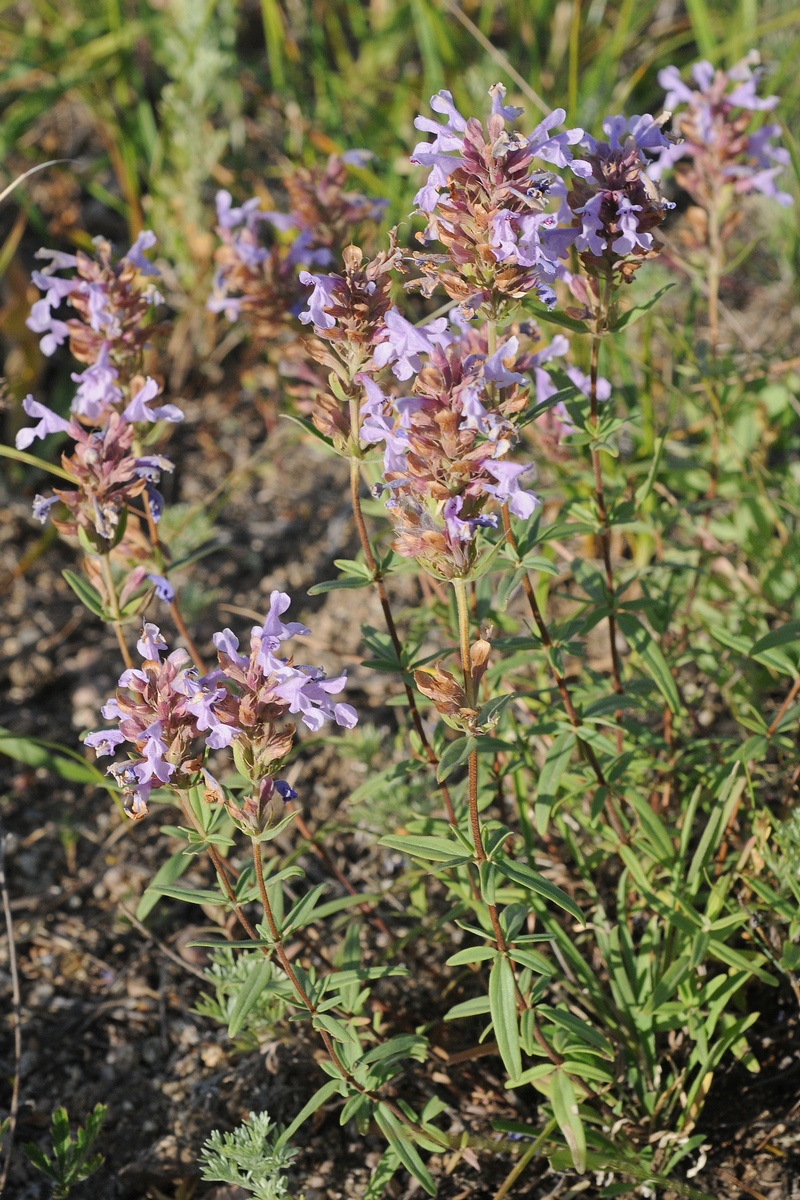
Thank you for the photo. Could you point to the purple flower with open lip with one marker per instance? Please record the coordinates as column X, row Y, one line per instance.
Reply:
column 459, row 530
column 507, row 490
column 321, row 296
column 42, row 320
column 249, row 214
column 164, row 589
column 41, row 507
column 228, row 643
column 138, row 409
column 274, row 631
column 151, row 643
column 145, row 241
column 404, row 342
column 496, row 372
column 105, row 741
column 629, row 235
column 308, row 692
column 49, row 422
column 155, row 764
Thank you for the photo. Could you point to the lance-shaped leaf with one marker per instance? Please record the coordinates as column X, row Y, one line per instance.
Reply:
column 404, row 1148
column 565, row 1111
column 650, row 653
column 534, row 882
column 503, row 1009
column 249, row 992
column 555, row 764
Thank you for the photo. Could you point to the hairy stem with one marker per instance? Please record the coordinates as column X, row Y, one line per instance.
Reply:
column 714, row 276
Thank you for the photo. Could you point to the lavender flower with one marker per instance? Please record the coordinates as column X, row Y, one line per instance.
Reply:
column 49, row 422
column 138, row 410
column 109, row 299
column 403, row 343
column 98, row 391
column 163, row 588
column 718, row 145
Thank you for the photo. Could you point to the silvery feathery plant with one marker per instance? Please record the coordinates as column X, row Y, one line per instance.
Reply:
column 615, row 996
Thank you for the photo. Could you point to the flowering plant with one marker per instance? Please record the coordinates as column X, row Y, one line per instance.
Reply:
column 535, row 828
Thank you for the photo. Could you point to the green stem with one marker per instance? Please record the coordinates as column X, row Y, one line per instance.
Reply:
column 113, row 604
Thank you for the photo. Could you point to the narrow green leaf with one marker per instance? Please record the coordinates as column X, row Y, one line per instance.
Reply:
column 171, row 870
column 503, row 1008
column 477, row 1007
column 403, row 1147
column 88, row 596
column 192, row 895
column 472, row 954
column 249, row 992
column 555, row 764
column 436, row 849
column 651, row 655
column 382, row 1175
column 454, row 755
column 634, row 314
column 317, row 1100
column 565, row 1111
column 61, row 760
column 534, row 882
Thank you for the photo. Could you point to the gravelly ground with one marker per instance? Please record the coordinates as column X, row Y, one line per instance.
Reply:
column 107, row 1008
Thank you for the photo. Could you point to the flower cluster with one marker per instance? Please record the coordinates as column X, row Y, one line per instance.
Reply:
column 486, row 199
column 164, row 710
column 105, row 464
column 259, row 281
column 112, row 300
column 717, row 144
column 446, row 446
column 613, row 202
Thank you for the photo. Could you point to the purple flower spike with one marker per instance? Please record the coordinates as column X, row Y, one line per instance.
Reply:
column 49, row 422
column 164, row 589
column 138, row 409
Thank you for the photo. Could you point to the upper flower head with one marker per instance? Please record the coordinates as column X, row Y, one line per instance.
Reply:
column 717, row 143
column 486, row 195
